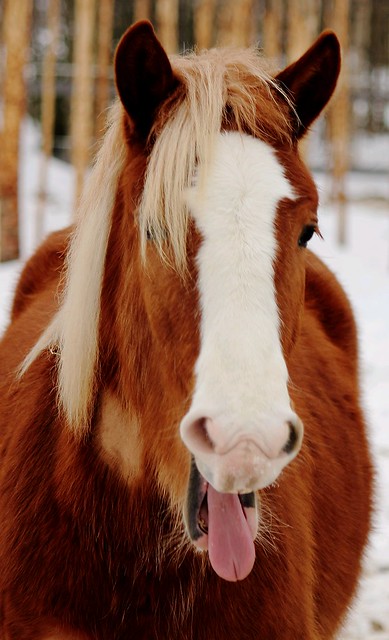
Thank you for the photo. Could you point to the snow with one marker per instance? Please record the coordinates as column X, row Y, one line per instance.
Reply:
column 363, row 268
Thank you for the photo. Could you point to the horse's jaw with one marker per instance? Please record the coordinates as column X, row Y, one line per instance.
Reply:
column 224, row 524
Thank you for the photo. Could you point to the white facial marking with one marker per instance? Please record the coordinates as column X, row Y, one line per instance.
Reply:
column 241, row 376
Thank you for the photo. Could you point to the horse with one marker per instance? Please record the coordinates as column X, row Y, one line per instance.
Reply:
column 183, row 449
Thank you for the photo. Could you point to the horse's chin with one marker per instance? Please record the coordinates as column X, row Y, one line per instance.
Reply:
column 223, row 524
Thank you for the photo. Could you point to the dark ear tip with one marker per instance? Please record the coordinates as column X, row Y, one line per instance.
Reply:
column 311, row 80
column 144, row 26
column 138, row 29
column 328, row 39
column 139, row 32
column 143, row 74
column 330, row 35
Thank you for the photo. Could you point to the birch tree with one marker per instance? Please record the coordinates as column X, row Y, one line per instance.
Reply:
column 82, row 90
column 142, row 10
column 48, row 109
column 339, row 118
column 272, row 28
column 16, row 36
column 303, row 20
column 167, row 24
column 204, row 19
column 104, row 63
column 235, row 23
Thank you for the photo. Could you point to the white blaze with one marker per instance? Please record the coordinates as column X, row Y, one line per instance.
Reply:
column 241, row 376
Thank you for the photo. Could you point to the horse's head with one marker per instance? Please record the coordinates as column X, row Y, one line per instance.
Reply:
column 225, row 215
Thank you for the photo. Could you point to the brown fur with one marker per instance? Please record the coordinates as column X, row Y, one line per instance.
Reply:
column 44, row 266
column 92, row 544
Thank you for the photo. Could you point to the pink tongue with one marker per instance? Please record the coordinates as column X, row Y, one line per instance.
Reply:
column 230, row 544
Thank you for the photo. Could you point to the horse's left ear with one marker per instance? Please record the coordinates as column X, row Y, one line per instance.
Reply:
column 143, row 74
column 311, row 80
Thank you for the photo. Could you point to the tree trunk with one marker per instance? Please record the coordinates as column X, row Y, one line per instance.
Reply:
column 236, row 23
column 339, row 119
column 224, row 23
column 105, row 26
column 142, row 10
column 272, row 29
column 82, row 90
column 242, row 24
column 2, row 61
column 204, row 17
column 167, row 23
column 48, row 110
column 16, row 33
column 303, row 19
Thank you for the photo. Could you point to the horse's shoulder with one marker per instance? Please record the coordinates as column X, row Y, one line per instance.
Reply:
column 44, row 266
column 326, row 303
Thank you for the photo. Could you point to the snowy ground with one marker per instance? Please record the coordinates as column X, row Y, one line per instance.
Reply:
column 363, row 267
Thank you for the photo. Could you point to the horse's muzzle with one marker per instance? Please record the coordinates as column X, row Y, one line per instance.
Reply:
column 242, row 460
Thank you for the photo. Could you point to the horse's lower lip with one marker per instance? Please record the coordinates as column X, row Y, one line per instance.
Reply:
column 197, row 490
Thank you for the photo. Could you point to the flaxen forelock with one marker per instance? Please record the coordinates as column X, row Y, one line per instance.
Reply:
column 216, row 86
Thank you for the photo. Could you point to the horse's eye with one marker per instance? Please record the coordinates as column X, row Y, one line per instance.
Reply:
column 151, row 234
column 156, row 235
column 306, row 235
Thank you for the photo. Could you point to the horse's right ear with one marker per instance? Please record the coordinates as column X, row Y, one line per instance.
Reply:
column 143, row 74
column 311, row 80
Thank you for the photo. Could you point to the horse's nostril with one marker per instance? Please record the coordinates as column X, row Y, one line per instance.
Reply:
column 292, row 440
column 207, row 436
column 197, row 435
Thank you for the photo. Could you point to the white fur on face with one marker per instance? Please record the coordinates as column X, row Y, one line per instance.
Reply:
column 241, row 375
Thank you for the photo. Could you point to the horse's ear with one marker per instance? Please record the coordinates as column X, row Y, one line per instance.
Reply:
column 311, row 80
column 143, row 74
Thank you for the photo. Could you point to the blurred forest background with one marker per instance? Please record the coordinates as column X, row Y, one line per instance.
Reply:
column 56, row 66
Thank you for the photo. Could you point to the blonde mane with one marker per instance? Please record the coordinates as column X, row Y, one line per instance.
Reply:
column 218, row 87
column 73, row 332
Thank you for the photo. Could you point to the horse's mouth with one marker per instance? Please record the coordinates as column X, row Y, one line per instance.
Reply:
column 224, row 524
